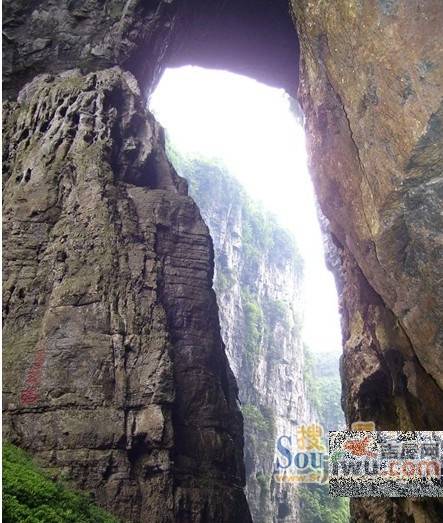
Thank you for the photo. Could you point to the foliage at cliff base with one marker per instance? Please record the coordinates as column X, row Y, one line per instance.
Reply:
column 31, row 496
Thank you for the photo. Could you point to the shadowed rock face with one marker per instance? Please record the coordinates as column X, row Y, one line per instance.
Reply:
column 251, row 37
column 114, row 364
column 53, row 36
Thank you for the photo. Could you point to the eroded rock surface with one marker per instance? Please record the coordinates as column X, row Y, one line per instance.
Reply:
column 372, row 94
column 91, row 206
column 114, row 368
column 258, row 276
column 57, row 35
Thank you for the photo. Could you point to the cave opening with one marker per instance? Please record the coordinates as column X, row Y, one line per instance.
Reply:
column 241, row 146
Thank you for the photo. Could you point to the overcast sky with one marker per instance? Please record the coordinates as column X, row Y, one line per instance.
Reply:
column 250, row 127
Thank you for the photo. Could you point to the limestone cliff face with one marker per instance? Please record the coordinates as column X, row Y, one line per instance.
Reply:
column 257, row 281
column 114, row 368
column 372, row 91
column 77, row 161
column 53, row 36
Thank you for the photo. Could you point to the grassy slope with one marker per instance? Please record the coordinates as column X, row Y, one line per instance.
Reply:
column 30, row 496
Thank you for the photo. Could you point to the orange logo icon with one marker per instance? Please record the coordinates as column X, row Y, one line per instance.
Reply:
column 359, row 447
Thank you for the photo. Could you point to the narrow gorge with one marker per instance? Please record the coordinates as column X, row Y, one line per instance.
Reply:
column 115, row 373
column 257, row 283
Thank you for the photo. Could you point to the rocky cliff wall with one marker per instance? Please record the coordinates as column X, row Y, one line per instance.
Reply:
column 258, row 274
column 114, row 368
column 371, row 91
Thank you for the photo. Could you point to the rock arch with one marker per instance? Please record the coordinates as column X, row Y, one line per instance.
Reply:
column 373, row 121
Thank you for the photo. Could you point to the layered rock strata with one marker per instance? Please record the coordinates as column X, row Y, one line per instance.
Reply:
column 114, row 368
column 258, row 276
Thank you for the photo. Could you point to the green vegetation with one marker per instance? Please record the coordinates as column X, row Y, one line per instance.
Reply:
column 323, row 388
column 264, row 482
column 30, row 496
column 256, row 420
column 330, row 405
column 318, row 507
column 224, row 280
column 277, row 311
column 253, row 322
column 310, row 379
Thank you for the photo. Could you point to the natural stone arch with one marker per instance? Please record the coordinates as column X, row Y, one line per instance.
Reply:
column 255, row 38
column 373, row 118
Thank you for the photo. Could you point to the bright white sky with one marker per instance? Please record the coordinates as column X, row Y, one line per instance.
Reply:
column 250, row 127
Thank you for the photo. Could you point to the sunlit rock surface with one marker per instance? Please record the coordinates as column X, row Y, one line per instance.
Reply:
column 372, row 95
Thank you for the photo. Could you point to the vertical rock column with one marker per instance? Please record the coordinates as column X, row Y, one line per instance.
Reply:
column 114, row 369
column 371, row 84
